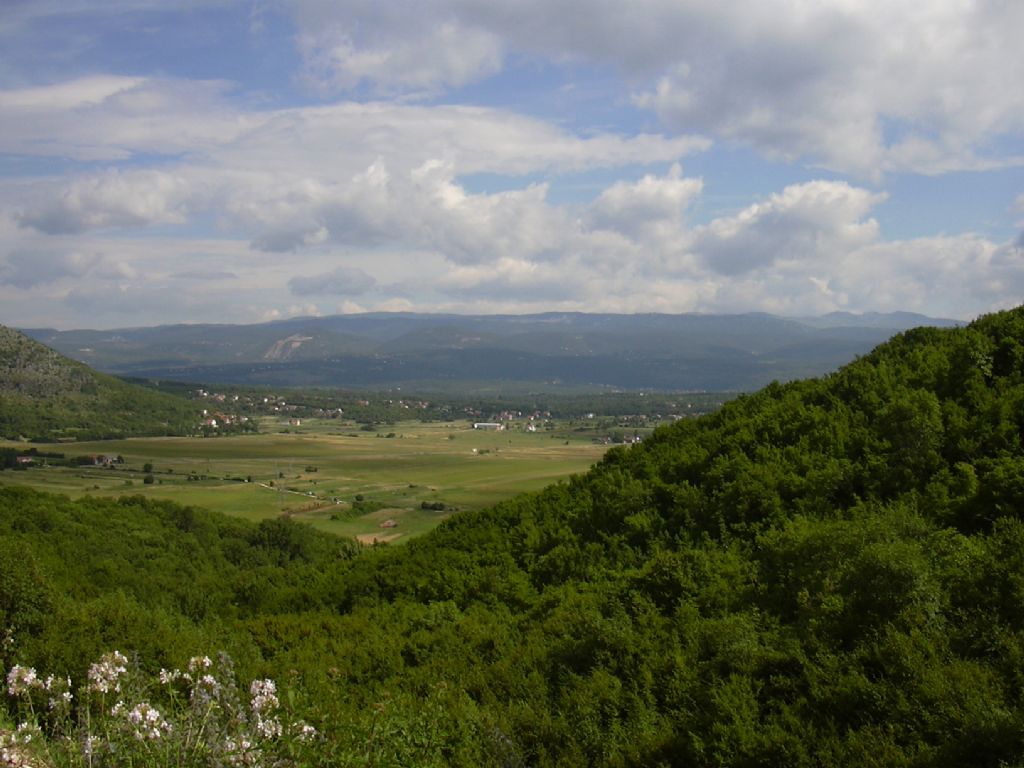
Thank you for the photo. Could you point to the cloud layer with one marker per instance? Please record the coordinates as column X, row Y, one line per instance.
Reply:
column 868, row 86
column 467, row 156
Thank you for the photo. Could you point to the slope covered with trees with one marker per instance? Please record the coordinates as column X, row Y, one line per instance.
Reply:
column 828, row 572
column 46, row 396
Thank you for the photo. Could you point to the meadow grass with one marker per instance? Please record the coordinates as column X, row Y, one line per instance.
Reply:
column 333, row 475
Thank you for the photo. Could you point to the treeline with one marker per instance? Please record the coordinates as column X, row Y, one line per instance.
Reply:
column 825, row 573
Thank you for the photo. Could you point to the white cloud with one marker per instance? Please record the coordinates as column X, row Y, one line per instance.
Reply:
column 341, row 281
column 431, row 245
column 869, row 86
column 107, row 118
column 804, row 225
column 378, row 52
column 294, row 179
column 181, row 199
column 652, row 208
column 521, row 281
column 113, row 199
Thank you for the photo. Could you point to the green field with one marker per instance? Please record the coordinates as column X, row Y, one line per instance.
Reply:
column 338, row 478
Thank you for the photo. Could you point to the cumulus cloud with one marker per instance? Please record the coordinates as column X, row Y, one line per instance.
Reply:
column 805, row 223
column 342, row 281
column 867, row 87
column 653, row 207
column 279, row 175
column 811, row 247
column 113, row 199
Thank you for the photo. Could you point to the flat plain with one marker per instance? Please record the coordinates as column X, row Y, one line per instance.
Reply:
column 386, row 486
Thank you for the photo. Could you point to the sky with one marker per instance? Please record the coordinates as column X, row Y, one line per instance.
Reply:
column 230, row 161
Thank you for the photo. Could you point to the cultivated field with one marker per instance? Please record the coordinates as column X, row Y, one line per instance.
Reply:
column 350, row 482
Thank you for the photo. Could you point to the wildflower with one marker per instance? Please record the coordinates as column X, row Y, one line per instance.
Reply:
column 166, row 678
column 197, row 663
column 25, row 732
column 264, row 696
column 149, row 723
column 105, row 675
column 21, row 680
column 268, row 728
column 117, row 709
column 205, row 689
column 63, row 700
column 306, row 731
column 241, row 752
column 60, row 692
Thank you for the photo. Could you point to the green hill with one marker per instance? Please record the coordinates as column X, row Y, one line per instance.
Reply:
column 826, row 573
column 46, row 396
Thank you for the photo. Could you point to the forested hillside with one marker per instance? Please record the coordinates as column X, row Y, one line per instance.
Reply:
column 828, row 572
column 46, row 396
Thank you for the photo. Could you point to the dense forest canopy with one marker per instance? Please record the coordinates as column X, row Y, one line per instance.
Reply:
column 827, row 572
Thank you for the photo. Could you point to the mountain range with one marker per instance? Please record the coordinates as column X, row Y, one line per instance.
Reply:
column 447, row 351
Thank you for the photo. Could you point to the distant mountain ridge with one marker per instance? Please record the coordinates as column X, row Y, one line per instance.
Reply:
column 554, row 349
column 45, row 395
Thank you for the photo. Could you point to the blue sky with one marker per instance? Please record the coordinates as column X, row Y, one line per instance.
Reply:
column 220, row 161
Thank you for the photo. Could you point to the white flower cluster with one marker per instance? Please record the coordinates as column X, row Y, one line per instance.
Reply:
column 166, row 678
column 105, row 675
column 198, row 663
column 264, row 703
column 242, row 752
column 148, row 723
column 21, row 680
column 12, row 747
column 264, row 696
column 11, row 757
column 205, row 690
column 241, row 738
column 205, row 687
column 59, row 690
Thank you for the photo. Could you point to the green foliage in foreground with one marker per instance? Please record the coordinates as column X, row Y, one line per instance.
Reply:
column 829, row 572
column 46, row 396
